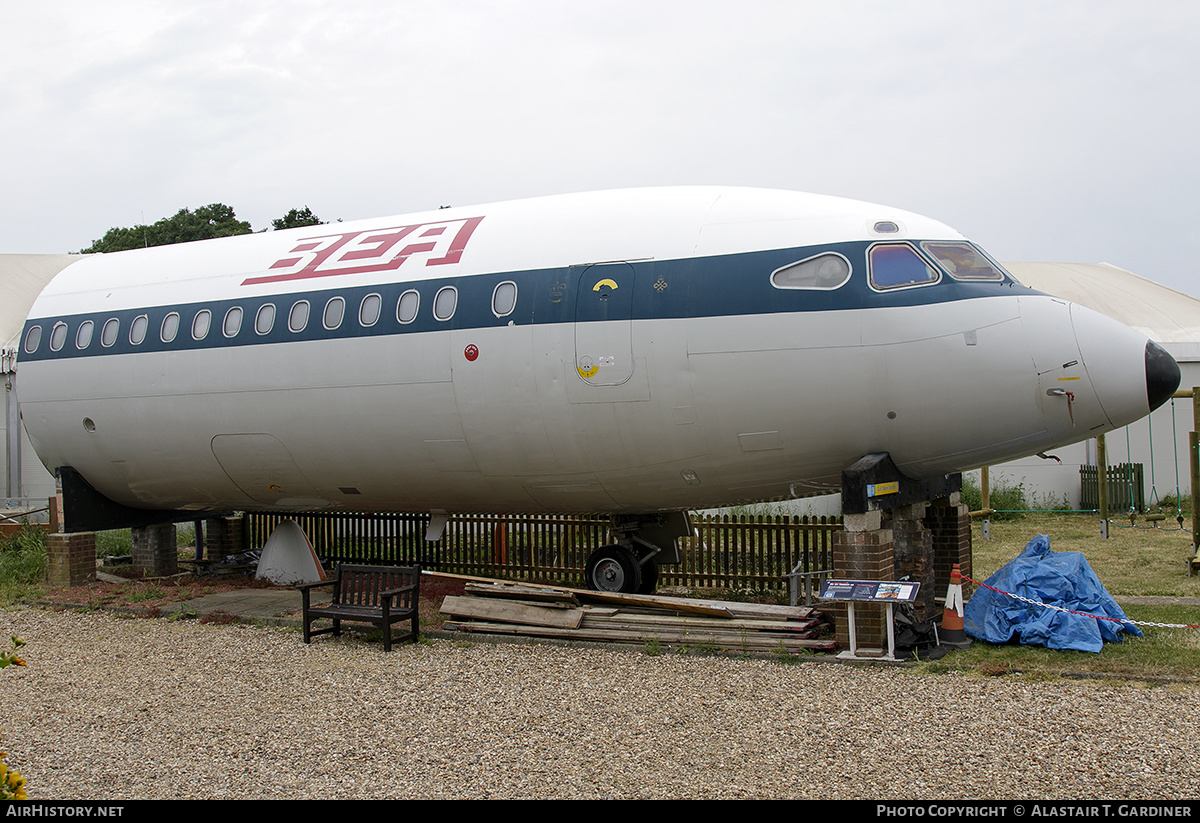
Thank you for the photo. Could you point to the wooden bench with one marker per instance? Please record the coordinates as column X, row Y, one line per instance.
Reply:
column 380, row 595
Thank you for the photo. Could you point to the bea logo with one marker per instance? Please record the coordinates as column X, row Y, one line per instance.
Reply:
column 438, row 243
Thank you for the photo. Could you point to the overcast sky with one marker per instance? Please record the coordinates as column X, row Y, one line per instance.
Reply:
column 1046, row 131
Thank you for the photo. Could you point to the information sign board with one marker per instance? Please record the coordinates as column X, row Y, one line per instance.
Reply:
column 875, row 591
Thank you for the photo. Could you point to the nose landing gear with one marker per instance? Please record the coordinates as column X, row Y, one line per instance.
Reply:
column 630, row 566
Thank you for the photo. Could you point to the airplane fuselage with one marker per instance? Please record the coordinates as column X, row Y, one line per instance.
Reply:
column 623, row 352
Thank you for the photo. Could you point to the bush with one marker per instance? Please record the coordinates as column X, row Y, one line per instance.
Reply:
column 1007, row 500
column 23, row 558
column 12, row 785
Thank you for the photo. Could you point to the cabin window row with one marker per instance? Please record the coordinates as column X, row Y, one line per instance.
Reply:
column 333, row 313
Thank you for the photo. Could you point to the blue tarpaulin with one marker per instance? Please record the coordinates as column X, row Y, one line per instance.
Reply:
column 1061, row 579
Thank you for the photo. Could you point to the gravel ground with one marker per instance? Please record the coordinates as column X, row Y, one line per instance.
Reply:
column 123, row 709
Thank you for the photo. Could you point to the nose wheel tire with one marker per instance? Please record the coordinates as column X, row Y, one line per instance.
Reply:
column 613, row 569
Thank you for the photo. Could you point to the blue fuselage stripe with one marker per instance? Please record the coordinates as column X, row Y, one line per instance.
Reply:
column 737, row 284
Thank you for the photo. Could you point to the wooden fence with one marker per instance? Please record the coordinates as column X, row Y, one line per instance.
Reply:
column 724, row 552
column 1126, row 487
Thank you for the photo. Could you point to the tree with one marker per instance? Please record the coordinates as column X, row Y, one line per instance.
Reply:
column 205, row 223
column 296, row 218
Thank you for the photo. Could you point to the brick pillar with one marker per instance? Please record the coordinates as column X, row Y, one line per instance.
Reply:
column 223, row 537
column 914, row 556
column 863, row 551
column 71, row 559
column 949, row 522
column 154, row 550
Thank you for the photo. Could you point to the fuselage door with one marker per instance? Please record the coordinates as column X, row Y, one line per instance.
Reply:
column 604, row 324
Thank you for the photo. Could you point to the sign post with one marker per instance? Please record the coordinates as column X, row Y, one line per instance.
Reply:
column 884, row 592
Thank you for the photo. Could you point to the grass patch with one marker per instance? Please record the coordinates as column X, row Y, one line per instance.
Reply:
column 22, row 565
column 1142, row 562
column 1161, row 654
column 1131, row 562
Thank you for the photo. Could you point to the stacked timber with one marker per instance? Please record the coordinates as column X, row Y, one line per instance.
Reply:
column 575, row 614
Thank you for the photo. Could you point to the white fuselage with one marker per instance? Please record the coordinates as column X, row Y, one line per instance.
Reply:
column 649, row 362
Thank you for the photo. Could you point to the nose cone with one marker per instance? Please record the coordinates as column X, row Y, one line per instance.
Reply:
column 1162, row 375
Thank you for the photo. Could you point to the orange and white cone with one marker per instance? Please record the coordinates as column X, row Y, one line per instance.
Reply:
column 952, row 632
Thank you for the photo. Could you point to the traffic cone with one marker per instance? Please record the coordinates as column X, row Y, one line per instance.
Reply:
column 952, row 633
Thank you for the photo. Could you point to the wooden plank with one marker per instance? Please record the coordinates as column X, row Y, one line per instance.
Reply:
column 509, row 611
column 679, row 604
column 728, row 635
column 698, row 623
column 769, row 610
column 712, row 608
column 733, row 642
column 522, row 592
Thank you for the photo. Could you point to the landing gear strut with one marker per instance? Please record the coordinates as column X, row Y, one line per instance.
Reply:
column 630, row 566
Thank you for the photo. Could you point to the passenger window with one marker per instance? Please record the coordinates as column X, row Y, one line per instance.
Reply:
column 264, row 321
column 369, row 310
column 83, row 337
column 58, row 336
column 137, row 329
column 406, row 309
column 335, row 310
column 504, row 299
column 894, row 266
column 825, row 271
column 108, row 334
column 201, row 324
column 298, row 316
column 170, row 327
column 444, row 302
column 962, row 261
column 33, row 339
column 233, row 322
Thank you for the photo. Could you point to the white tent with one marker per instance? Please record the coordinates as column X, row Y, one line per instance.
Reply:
column 22, row 278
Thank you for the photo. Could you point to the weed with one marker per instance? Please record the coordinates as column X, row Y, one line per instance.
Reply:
column 12, row 658
column 652, row 647
column 23, row 564
column 151, row 593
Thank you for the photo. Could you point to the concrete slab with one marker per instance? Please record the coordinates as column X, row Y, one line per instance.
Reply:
column 263, row 605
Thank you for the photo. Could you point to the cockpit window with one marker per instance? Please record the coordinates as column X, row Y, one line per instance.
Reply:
column 825, row 271
column 962, row 261
column 897, row 265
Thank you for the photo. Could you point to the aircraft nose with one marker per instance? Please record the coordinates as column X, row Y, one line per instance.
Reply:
column 1162, row 375
column 1130, row 375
